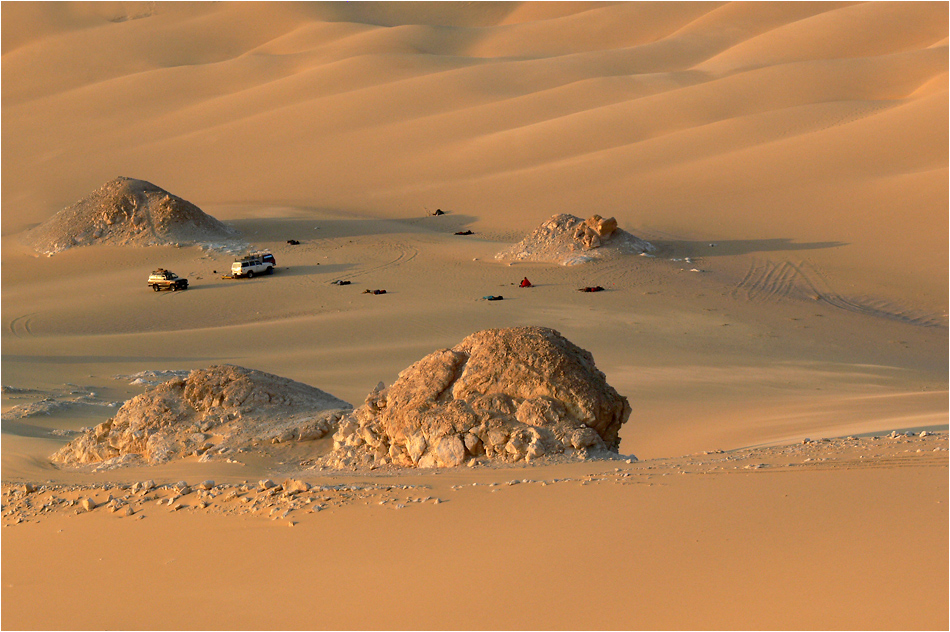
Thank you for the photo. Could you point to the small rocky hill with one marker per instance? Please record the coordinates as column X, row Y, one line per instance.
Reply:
column 213, row 410
column 570, row 240
column 503, row 394
column 127, row 212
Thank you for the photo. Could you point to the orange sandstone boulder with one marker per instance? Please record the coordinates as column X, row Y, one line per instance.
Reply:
column 503, row 394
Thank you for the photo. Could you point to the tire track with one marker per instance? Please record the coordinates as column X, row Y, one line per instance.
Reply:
column 406, row 254
column 767, row 280
column 22, row 326
column 817, row 283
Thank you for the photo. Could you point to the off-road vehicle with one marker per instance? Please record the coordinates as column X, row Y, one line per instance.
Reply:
column 254, row 263
column 166, row 279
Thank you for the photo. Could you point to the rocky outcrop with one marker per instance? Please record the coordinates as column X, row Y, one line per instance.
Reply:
column 568, row 240
column 593, row 232
column 213, row 410
column 503, row 394
column 127, row 212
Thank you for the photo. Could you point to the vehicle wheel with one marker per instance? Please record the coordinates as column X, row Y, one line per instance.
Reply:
column 250, row 274
column 156, row 288
column 270, row 270
column 175, row 288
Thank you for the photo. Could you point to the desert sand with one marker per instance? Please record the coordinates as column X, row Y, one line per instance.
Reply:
column 788, row 162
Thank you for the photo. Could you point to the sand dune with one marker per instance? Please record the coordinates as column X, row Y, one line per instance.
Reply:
column 480, row 113
column 787, row 160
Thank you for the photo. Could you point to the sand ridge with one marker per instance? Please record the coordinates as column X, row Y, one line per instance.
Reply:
column 788, row 162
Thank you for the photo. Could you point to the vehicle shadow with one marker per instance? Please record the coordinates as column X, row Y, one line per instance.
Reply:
column 199, row 285
column 208, row 283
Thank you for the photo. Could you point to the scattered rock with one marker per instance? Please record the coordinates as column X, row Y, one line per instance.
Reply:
column 88, row 504
column 294, row 486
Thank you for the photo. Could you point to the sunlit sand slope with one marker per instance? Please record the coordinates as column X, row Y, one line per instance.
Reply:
column 808, row 122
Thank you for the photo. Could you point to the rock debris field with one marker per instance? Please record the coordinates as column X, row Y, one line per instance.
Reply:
column 295, row 500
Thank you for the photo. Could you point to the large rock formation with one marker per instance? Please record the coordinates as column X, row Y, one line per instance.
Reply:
column 127, row 212
column 505, row 394
column 217, row 409
column 569, row 240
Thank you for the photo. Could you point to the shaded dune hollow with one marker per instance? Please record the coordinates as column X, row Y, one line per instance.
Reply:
column 212, row 412
column 127, row 212
column 508, row 395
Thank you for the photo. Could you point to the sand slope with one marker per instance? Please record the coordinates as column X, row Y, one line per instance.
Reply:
column 781, row 121
column 789, row 161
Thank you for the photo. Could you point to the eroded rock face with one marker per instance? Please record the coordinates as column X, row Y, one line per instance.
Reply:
column 505, row 394
column 128, row 212
column 595, row 231
column 568, row 240
column 216, row 409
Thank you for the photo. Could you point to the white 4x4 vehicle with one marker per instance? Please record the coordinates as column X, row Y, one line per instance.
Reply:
column 254, row 263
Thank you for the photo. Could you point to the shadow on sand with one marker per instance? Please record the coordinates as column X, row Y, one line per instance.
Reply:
column 737, row 246
column 331, row 269
column 100, row 359
column 304, row 229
